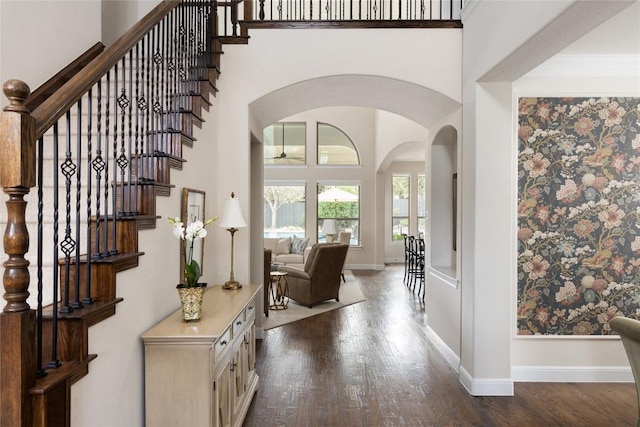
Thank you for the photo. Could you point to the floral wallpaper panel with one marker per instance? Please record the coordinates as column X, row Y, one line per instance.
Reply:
column 578, row 214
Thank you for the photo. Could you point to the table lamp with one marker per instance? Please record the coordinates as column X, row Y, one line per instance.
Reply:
column 232, row 220
column 329, row 229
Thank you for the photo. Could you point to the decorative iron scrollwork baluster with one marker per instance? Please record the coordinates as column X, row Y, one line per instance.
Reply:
column 68, row 170
column 54, row 362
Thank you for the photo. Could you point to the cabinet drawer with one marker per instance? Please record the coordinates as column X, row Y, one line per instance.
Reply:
column 237, row 326
column 250, row 311
column 222, row 343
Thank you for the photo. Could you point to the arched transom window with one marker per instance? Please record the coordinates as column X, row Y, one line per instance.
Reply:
column 335, row 147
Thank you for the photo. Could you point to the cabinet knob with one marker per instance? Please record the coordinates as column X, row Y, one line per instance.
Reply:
column 223, row 343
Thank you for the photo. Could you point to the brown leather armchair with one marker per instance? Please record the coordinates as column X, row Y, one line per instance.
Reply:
column 320, row 279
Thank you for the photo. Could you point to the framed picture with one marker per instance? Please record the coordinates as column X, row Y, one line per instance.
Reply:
column 192, row 210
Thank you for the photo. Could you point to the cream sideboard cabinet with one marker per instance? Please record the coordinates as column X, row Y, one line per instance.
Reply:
column 203, row 373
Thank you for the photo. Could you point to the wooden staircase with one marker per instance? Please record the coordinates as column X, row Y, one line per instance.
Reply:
column 51, row 395
column 45, row 400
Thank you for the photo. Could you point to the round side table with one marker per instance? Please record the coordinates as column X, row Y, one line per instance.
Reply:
column 279, row 290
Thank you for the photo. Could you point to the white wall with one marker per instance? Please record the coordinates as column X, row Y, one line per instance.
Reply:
column 39, row 38
column 119, row 16
column 398, row 137
column 489, row 183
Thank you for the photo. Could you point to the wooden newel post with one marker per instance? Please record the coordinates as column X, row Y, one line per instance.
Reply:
column 17, row 321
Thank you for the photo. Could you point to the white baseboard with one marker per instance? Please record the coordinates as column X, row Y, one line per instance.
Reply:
column 259, row 333
column 449, row 355
column 475, row 387
column 394, row 260
column 592, row 374
column 486, row 386
column 379, row 267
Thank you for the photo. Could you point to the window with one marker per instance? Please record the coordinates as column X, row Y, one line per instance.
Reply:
column 285, row 144
column 284, row 210
column 335, row 147
column 342, row 204
column 422, row 205
column 400, row 207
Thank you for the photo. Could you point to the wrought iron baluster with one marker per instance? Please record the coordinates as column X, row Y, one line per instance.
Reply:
column 133, row 208
column 87, row 293
column 157, row 106
column 40, row 372
column 148, row 119
column 154, row 131
column 98, row 165
column 193, row 79
column 123, row 161
column 177, row 102
column 114, row 195
column 138, row 155
column 68, row 244
column 76, row 303
column 54, row 362
column 164, row 116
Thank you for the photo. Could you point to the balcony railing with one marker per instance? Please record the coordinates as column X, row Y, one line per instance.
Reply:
column 356, row 10
column 236, row 16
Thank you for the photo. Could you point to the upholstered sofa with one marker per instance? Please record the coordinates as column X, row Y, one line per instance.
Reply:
column 284, row 252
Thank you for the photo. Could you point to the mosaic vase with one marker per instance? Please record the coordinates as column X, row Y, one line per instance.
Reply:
column 191, row 301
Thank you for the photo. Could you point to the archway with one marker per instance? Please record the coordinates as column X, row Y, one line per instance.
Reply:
column 419, row 104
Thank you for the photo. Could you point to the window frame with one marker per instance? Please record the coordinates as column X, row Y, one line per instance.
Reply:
column 272, row 183
column 291, row 162
column 355, row 236
column 395, row 217
column 318, row 145
column 421, row 198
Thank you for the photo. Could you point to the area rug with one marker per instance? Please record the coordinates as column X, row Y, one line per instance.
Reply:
column 350, row 293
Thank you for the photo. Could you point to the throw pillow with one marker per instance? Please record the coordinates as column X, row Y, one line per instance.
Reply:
column 283, row 246
column 298, row 245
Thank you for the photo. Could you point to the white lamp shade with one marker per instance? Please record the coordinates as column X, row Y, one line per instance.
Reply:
column 329, row 226
column 232, row 214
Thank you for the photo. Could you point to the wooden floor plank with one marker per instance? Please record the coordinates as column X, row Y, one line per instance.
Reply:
column 370, row 364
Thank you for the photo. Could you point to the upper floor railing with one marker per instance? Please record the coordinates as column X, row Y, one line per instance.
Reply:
column 234, row 17
column 356, row 10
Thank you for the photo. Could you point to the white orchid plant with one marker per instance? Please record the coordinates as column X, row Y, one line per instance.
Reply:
column 194, row 231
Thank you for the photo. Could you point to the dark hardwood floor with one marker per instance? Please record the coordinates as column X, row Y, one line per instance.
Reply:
column 370, row 364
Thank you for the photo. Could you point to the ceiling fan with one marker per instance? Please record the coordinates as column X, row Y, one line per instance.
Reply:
column 283, row 155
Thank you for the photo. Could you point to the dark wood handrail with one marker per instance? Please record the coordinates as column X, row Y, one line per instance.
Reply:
column 48, row 88
column 69, row 94
column 352, row 23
